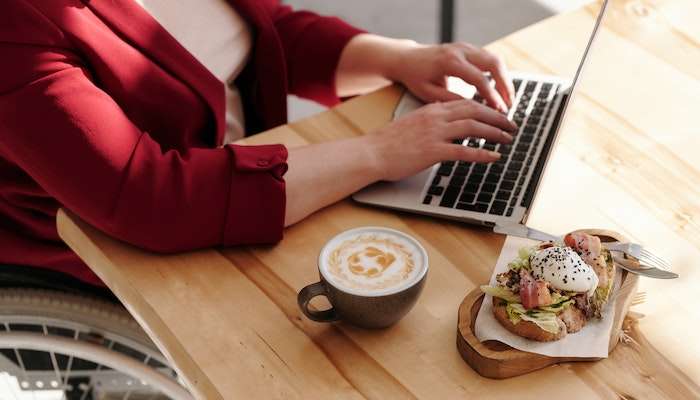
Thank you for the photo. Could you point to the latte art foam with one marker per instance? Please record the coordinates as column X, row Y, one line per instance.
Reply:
column 373, row 262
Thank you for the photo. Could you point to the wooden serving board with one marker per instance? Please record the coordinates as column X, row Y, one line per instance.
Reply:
column 494, row 359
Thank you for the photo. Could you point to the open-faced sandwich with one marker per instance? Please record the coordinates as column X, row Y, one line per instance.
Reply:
column 552, row 289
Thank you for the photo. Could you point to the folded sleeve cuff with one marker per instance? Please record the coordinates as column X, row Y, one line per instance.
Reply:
column 257, row 198
column 315, row 58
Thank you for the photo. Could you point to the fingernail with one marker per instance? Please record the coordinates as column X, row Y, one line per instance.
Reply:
column 507, row 137
column 514, row 126
column 495, row 154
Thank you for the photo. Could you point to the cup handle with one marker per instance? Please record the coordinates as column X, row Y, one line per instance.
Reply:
column 308, row 293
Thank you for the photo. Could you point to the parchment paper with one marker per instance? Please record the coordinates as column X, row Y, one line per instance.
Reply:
column 591, row 341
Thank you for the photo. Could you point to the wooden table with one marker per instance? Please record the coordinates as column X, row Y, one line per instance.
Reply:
column 627, row 160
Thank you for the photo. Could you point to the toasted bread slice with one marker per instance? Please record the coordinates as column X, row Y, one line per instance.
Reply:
column 527, row 329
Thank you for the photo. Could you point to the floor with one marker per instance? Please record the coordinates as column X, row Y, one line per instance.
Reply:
column 477, row 21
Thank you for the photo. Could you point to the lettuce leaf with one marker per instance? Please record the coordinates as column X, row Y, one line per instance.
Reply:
column 501, row 293
column 544, row 319
column 602, row 294
column 558, row 307
column 523, row 259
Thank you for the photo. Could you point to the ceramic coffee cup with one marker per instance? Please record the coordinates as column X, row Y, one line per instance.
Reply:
column 372, row 276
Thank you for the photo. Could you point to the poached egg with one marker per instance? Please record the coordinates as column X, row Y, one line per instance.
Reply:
column 564, row 269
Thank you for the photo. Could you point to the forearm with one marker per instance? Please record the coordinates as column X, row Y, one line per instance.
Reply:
column 367, row 63
column 324, row 173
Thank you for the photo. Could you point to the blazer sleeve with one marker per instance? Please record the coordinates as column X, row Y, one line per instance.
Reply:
column 72, row 139
column 312, row 46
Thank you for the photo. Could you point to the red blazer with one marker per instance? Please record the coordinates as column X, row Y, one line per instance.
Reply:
column 104, row 113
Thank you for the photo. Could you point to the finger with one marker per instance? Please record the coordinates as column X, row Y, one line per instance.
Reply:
column 472, row 75
column 487, row 61
column 472, row 128
column 468, row 109
column 432, row 92
column 464, row 153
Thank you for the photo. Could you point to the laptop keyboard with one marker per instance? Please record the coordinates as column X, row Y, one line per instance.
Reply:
column 495, row 188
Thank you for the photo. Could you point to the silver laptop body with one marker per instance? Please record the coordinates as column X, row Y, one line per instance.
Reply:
column 499, row 193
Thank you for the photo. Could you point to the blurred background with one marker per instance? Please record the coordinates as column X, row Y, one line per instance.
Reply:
column 476, row 21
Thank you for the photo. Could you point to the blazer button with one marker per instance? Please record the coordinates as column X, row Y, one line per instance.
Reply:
column 263, row 163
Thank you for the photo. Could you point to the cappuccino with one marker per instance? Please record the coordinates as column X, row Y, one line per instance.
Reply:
column 373, row 261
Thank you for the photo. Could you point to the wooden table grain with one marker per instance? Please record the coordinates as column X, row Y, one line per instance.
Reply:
column 627, row 160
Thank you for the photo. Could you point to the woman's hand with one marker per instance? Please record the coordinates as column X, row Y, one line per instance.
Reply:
column 323, row 173
column 424, row 70
column 424, row 137
column 370, row 61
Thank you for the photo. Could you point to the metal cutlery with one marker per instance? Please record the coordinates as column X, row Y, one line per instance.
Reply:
column 638, row 268
column 635, row 259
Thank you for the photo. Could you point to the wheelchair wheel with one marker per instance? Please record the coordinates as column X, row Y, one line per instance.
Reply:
column 82, row 346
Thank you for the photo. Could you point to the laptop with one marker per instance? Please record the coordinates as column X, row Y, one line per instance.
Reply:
column 496, row 194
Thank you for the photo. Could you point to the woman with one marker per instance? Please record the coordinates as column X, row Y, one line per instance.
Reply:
column 121, row 111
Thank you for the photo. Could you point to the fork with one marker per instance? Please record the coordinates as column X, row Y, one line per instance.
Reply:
column 640, row 253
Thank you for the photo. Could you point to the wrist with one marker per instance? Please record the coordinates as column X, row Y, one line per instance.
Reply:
column 374, row 149
column 397, row 53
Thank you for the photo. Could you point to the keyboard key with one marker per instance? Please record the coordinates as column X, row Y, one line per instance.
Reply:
column 450, row 196
column 504, row 148
column 522, row 147
column 515, row 166
column 461, row 170
column 509, row 212
column 497, row 168
column 535, row 121
column 436, row 180
column 436, row 190
column 511, row 175
column 471, row 188
column 488, row 188
column 530, row 87
column 546, row 87
column 473, row 143
column 540, row 103
column 507, row 185
column 481, row 207
column 503, row 195
column 444, row 170
column 519, row 156
column 464, row 164
column 517, row 191
column 448, row 163
column 513, row 201
column 537, row 112
column 458, row 141
column 498, row 207
column 427, row 199
column 526, row 138
column 516, row 84
column 466, row 206
column 493, row 178
column 480, row 168
column 489, row 146
column 458, row 181
column 467, row 197
column 530, row 128
column 484, row 197
column 475, row 178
